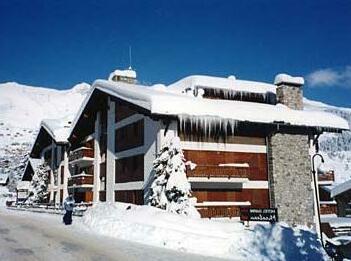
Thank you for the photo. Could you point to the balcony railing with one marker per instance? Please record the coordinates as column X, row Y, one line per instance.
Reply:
column 327, row 176
column 328, row 209
column 81, row 180
column 219, row 211
column 81, row 153
column 215, row 171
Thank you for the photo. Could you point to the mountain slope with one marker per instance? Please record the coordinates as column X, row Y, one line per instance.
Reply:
column 21, row 110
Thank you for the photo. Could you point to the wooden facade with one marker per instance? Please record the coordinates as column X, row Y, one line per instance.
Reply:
column 81, row 162
column 217, row 163
column 259, row 198
column 130, row 136
column 327, row 209
column 219, row 211
column 130, row 196
column 130, row 169
column 230, row 164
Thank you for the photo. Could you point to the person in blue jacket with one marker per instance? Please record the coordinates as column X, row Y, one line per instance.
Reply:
column 68, row 205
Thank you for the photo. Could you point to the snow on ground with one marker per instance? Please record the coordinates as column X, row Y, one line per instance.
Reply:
column 335, row 221
column 33, row 237
column 155, row 227
column 4, row 193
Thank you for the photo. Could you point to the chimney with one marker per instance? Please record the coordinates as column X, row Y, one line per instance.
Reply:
column 289, row 91
column 127, row 76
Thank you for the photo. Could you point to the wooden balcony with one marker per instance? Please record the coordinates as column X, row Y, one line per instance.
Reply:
column 219, row 211
column 80, row 181
column 327, row 209
column 327, row 176
column 215, row 171
column 81, row 153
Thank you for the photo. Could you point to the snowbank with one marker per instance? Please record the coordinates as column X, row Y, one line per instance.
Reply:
column 151, row 226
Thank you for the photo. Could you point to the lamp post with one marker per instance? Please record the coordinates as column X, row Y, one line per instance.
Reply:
column 316, row 194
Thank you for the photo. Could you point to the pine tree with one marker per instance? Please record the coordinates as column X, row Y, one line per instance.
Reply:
column 170, row 189
column 39, row 185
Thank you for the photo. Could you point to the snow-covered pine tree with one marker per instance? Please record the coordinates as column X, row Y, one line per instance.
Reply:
column 39, row 185
column 170, row 189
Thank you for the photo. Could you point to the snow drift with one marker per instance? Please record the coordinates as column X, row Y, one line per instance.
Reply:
column 152, row 226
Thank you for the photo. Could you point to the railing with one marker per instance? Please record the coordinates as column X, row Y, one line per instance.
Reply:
column 209, row 171
column 81, row 180
column 328, row 176
column 51, row 208
column 328, row 209
column 219, row 211
column 80, row 153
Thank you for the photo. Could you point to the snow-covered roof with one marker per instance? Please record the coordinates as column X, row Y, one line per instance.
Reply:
column 58, row 128
column 23, row 185
column 230, row 83
column 327, row 188
column 210, row 110
column 340, row 188
column 3, row 178
column 124, row 73
column 286, row 78
column 34, row 162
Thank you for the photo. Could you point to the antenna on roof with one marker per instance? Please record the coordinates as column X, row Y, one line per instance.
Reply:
column 130, row 58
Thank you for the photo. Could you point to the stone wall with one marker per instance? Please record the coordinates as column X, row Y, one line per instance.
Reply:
column 290, row 178
column 291, row 96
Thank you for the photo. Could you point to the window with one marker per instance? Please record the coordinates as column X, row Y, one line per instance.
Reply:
column 130, row 169
column 130, row 196
column 123, row 111
column 62, row 174
column 130, row 136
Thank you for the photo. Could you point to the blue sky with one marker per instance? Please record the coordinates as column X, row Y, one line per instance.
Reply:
column 60, row 43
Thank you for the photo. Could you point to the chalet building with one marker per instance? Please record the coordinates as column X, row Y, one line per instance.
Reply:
column 51, row 147
column 246, row 143
column 326, row 181
column 341, row 193
column 334, row 198
column 29, row 170
column 23, row 185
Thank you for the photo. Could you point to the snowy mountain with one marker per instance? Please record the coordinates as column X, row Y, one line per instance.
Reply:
column 335, row 148
column 21, row 110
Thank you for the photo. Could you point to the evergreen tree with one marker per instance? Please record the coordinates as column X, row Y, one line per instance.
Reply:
column 170, row 189
column 39, row 185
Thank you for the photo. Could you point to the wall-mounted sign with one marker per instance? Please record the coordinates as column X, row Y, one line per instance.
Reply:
column 259, row 214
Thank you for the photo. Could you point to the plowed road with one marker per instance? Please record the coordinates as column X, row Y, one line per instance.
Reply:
column 29, row 236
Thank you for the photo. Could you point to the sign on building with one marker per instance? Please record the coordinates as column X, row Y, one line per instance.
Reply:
column 259, row 214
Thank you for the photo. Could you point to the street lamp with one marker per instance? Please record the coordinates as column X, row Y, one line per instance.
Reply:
column 316, row 194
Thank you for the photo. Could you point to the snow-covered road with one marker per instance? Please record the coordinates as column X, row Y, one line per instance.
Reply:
column 30, row 236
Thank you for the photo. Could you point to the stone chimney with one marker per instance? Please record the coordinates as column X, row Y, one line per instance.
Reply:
column 127, row 76
column 289, row 91
column 289, row 161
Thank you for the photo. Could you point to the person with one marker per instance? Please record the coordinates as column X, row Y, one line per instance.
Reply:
column 68, row 205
